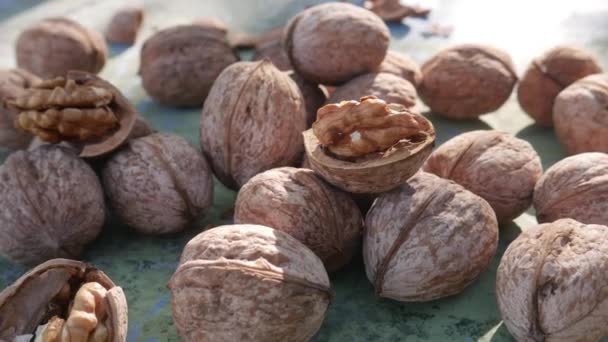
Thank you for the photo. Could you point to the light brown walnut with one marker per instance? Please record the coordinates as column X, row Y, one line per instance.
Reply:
column 124, row 25
column 401, row 65
column 385, row 86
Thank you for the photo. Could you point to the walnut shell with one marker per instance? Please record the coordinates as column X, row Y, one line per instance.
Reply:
column 37, row 295
column 274, row 51
column 401, row 65
column 178, row 65
column 248, row 283
column 332, row 43
column 252, row 122
column 313, row 94
column 495, row 166
column 387, row 87
column 548, row 75
column 158, row 184
column 466, row 81
column 12, row 81
column 575, row 187
column 428, row 239
column 551, row 283
column 52, row 47
column 51, row 205
column 298, row 202
column 124, row 25
column 580, row 115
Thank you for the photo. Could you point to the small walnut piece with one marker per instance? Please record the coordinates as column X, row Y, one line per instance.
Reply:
column 496, row 166
column 63, row 300
column 548, row 75
column 385, row 86
column 393, row 10
column 12, row 82
column 551, row 283
column 575, row 187
column 427, row 239
column 401, row 65
column 53, row 47
column 248, row 283
column 580, row 115
column 124, row 25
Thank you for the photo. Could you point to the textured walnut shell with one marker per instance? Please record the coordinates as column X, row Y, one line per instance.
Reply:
column 55, row 46
column 248, row 283
column 12, row 81
column 575, row 187
column 252, row 122
column 25, row 304
column 495, row 166
column 51, row 205
column 551, row 283
column 158, row 184
column 313, row 94
column 548, row 75
column 274, row 51
column 332, row 43
column 178, row 65
column 466, row 81
column 373, row 175
column 387, row 87
column 298, row 202
column 124, row 25
column 401, row 65
column 580, row 115
column 428, row 239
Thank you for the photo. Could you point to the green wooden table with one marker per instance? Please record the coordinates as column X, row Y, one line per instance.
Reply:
column 142, row 265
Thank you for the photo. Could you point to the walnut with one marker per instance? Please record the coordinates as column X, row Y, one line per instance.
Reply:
column 466, row 81
column 251, row 283
column 298, row 202
column 401, row 65
column 12, row 82
column 495, row 166
column 274, row 51
column 551, row 283
column 251, row 122
column 427, row 239
column 313, row 95
column 393, row 10
column 124, row 25
column 81, row 109
column 548, row 75
column 332, row 43
column 52, row 47
column 63, row 300
column 580, row 115
column 52, row 205
column 575, row 187
column 387, row 87
column 158, row 184
column 178, row 65
column 368, row 146
column 212, row 24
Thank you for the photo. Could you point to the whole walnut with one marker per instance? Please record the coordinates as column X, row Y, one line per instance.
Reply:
column 313, row 94
column 427, row 239
column 54, row 46
column 178, row 65
column 298, row 202
column 252, row 122
column 548, row 75
column 63, row 300
column 580, row 115
column 387, row 87
column 401, row 65
column 466, row 81
column 248, row 283
column 124, row 25
column 51, row 205
column 575, row 187
column 158, row 184
column 551, row 283
column 332, row 43
column 495, row 166
column 13, row 81
column 274, row 51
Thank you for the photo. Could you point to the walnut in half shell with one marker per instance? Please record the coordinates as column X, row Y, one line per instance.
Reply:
column 82, row 109
column 63, row 300
column 368, row 146
column 12, row 82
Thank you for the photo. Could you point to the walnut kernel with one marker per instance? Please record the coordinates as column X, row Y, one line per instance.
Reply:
column 13, row 82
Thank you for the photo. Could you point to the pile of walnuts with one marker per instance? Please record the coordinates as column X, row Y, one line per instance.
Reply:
column 426, row 220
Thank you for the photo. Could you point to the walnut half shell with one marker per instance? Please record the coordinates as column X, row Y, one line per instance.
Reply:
column 51, row 292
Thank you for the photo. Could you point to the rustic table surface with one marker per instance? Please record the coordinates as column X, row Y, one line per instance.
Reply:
column 142, row 265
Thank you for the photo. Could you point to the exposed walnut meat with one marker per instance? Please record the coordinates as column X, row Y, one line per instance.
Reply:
column 354, row 129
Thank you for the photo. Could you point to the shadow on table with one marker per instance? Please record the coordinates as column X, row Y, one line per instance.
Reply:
column 117, row 49
column 544, row 142
column 399, row 30
column 9, row 8
column 446, row 128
